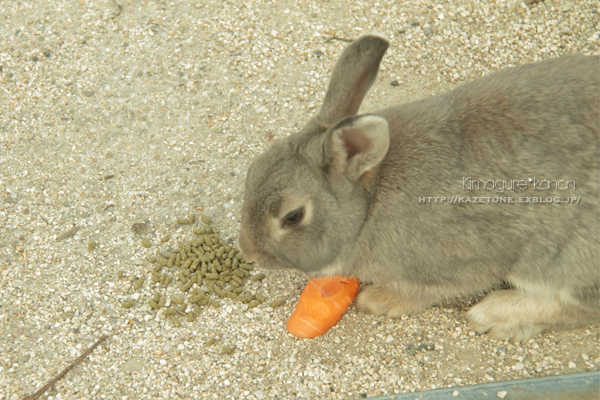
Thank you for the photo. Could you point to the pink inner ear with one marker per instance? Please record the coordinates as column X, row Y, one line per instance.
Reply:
column 354, row 141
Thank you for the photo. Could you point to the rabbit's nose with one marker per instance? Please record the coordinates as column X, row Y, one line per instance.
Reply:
column 245, row 247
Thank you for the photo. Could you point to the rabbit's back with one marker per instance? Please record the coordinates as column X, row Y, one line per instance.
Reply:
column 529, row 129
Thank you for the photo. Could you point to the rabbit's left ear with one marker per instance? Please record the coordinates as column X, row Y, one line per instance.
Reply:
column 357, row 144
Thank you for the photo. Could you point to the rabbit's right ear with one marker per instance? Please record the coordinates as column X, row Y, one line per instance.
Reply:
column 353, row 75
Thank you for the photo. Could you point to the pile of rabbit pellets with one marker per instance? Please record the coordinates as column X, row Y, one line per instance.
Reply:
column 215, row 267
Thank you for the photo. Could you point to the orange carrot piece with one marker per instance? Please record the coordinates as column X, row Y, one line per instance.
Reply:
column 322, row 303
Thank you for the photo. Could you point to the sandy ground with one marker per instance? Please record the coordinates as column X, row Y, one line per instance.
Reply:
column 115, row 113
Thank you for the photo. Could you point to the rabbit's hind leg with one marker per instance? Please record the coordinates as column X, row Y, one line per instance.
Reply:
column 516, row 315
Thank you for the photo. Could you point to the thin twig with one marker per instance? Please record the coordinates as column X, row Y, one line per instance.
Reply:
column 334, row 37
column 64, row 371
column 67, row 234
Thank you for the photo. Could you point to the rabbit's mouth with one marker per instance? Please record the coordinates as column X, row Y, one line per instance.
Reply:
column 252, row 254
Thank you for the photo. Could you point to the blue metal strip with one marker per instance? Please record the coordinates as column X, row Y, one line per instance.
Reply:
column 581, row 386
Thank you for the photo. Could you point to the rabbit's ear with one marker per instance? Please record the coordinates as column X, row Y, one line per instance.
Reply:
column 353, row 75
column 358, row 144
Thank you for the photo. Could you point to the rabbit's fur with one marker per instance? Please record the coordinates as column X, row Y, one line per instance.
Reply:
column 344, row 195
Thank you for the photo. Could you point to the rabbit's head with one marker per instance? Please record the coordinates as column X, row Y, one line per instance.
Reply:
column 307, row 196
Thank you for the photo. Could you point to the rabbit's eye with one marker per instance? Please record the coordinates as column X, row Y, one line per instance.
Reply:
column 294, row 217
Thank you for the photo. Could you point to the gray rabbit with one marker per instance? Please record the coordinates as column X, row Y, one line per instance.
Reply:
column 361, row 195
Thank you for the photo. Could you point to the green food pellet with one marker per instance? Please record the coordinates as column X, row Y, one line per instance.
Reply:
column 178, row 259
column 186, row 286
column 156, row 296
column 152, row 259
column 176, row 299
column 237, row 290
column 91, row 245
column 203, row 302
column 182, row 221
column 138, row 284
column 191, row 219
column 146, row 243
column 182, row 308
column 174, row 322
column 168, row 280
column 219, row 292
column 227, row 350
column 163, row 278
column 170, row 311
column 260, row 298
column 237, row 279
column 276, row 303
column 153, row 304
column 212, row 277
column 258, row 277
column 121, row 274
column 195, row 264
column 199, row 231
column 165, row 238
column 127, row 304
column 155, row 278
column 182, row 277
column 231, row 295
column 214, row 303
column 157, row 268
column 205, row 219
column 208, row 229
column 210, row 342
column 247, row 267
column 254, row 303
column 245, row 299
column 197, row 298
column 191, row 316
column 162, row 301
column 186, row 273
column 171, row 260
column 234, row 283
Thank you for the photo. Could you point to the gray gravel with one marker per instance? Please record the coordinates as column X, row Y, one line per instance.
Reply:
column 119, row 112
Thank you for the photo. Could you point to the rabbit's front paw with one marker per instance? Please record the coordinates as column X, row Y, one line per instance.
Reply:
column 509, row 314
column 383, row 301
